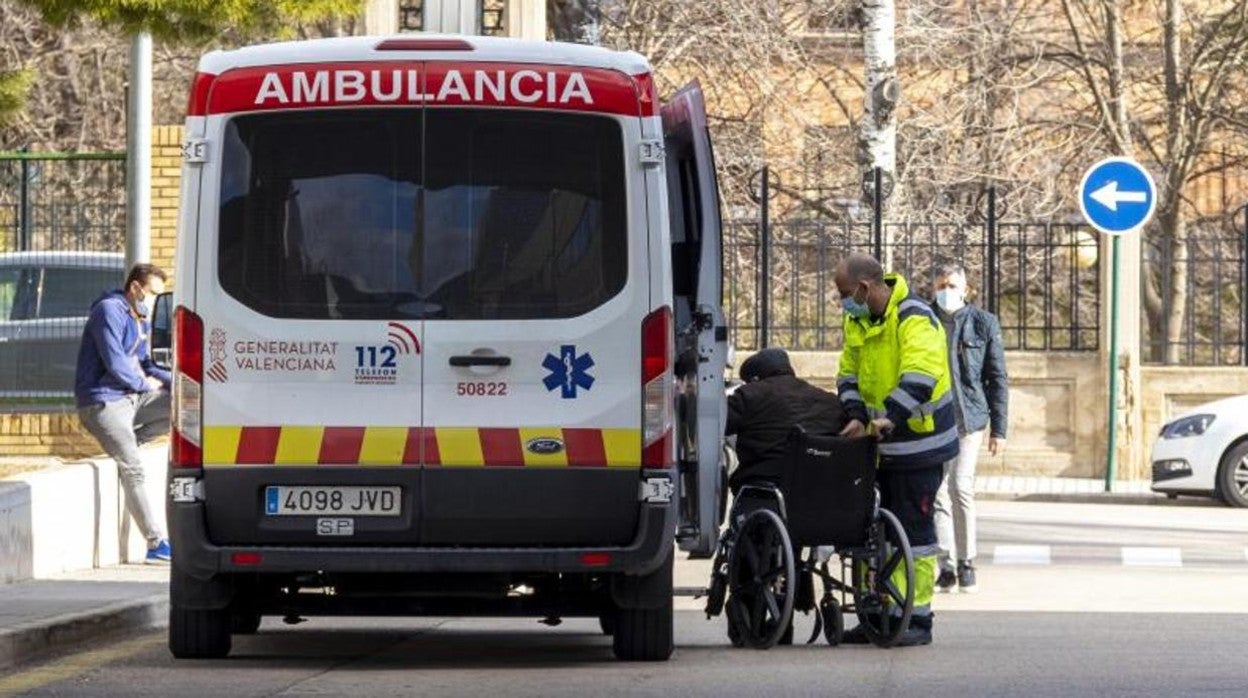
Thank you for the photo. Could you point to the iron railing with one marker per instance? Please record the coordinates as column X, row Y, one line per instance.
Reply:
column 1041, row 279
column 62, row 232
column 1212, row 327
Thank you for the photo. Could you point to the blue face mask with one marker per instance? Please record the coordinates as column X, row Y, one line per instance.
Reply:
column 855, row 308
column 143, row 307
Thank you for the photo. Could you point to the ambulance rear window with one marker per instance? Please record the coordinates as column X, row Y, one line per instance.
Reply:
column 441, row 214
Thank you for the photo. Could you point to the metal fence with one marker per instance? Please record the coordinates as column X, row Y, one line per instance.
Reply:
column 1041, row 279
column 1212, row 327
column 62, row 201
column 62, row 232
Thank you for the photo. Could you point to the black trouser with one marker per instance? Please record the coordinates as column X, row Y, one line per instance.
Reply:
column 911, row 496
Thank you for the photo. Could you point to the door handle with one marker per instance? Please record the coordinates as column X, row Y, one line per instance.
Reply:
column 475, row 360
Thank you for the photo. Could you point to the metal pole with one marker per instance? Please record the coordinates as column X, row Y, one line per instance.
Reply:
column 1111, row 458
column 139, row 151
column 764, row 264
column 23, row 214
column 877, row 214
column 992, row 250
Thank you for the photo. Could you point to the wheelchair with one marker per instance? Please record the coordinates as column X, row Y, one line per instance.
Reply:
column 769, row 550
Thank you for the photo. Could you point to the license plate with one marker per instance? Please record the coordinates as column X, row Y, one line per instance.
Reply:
column 290, row 500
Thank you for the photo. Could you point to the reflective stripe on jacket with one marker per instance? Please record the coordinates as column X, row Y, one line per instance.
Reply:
column 897, row 366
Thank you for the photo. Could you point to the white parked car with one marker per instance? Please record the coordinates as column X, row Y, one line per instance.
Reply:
column 1205, row 452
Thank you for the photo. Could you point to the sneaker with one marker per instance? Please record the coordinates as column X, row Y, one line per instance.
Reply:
column 160, row 554
column 914, row 637
column 856, row 636
column 966, row 577
column 946, row 581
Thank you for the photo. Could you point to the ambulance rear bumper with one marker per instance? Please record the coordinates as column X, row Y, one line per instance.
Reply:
column 195, row 555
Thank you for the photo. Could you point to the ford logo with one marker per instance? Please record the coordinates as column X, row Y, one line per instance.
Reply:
column 544, row 446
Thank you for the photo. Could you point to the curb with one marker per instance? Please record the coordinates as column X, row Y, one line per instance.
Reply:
column 1149, row 499
column 24, row 641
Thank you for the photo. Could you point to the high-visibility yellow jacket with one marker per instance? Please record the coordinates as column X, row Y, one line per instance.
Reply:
column 897, row 365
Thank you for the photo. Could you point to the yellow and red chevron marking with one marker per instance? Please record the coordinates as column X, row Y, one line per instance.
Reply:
column 445, row 446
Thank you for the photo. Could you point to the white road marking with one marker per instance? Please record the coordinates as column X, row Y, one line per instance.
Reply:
column 1021, row 555
column 1152, row 557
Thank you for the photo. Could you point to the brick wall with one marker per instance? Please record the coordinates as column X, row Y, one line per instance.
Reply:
column 57, row 434
column 166, row 178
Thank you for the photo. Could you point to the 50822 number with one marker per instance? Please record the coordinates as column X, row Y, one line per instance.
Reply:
column 481, row 389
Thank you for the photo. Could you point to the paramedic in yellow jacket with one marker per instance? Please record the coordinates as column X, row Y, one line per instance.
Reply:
column 894, row 383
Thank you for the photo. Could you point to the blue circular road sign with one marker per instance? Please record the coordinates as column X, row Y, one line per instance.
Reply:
column 1117, row 196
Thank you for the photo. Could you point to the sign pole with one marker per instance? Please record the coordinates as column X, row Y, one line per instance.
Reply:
column 1117, row 197
column 1111, row 453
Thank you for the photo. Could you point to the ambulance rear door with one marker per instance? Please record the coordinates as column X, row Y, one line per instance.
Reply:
column 701, row 333
column 312, row 320
column 536, row 274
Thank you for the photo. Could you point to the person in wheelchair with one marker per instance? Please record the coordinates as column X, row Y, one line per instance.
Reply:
column 763, row 412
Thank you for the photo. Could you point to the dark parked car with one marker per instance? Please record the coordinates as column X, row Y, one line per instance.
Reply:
column 44, row 301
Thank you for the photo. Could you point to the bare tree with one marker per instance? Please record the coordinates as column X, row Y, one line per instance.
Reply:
column 1177, row 123
column 878, row 135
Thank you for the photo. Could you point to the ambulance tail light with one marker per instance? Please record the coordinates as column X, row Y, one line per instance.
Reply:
column 186, row 450
column 658, row 390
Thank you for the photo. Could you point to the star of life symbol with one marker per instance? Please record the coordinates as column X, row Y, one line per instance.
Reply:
column 568, row 371
column 216, row 356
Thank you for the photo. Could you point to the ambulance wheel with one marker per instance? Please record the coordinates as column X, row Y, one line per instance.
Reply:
column 199, row 634
column 606, row 621
column 883, row 608
column 244, row 622
column 761, row 580
column 644, row 633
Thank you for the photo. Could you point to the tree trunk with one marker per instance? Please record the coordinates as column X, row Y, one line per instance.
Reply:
column 1175, row 231
column 877, row 143
column 1170, row 213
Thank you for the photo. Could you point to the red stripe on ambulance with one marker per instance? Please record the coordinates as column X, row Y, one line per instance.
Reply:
column 258, row 444
column 501, row 446
column 408, row 83
column 341, row 445
column 584, row 447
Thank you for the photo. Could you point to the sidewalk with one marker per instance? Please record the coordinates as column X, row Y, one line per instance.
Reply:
column 39, row 615
column 1075, row 490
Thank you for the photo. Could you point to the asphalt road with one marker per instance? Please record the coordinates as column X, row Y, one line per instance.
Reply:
column 976, row 654
column 1077, row 626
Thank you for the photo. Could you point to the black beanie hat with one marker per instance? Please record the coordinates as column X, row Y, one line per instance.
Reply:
column 765, row 364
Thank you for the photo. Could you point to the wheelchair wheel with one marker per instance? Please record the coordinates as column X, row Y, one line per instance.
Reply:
column 761, row 581
column 883, row 609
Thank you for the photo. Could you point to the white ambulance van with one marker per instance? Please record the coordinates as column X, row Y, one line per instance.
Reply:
column 446, row 338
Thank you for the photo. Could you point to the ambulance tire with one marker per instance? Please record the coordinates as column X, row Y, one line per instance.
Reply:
column 244, row 622
column 646, row 634
column 199, row 634
column 606, row 621
column 200, row 621
column 643, row 634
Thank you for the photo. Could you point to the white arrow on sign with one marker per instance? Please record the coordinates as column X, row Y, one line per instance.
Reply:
column 1109, row 196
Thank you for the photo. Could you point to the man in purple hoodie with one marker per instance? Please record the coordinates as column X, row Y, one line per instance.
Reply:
column 122, row 396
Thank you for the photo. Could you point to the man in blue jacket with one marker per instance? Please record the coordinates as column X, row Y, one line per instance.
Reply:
column 122, row 396
column 981, row 397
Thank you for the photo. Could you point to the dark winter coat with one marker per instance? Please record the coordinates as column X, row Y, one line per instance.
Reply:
column 761, row 415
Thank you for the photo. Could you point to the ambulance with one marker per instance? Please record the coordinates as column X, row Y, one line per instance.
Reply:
column 446, row 335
